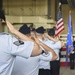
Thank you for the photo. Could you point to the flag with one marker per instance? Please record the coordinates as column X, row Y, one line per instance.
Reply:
column 69, row 44
column 60, row 23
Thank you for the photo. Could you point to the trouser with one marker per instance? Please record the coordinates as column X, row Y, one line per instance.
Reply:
column 72, row 57
column 44, row 72
column 55, row 67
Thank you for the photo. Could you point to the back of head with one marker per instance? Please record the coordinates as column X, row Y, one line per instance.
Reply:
column 51, row 32
column 40, row 30
column 2, row 16
column 24, row 29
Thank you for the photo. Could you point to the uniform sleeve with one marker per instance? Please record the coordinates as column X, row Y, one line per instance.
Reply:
column 56, row 45
column 23, row 48
column 46, row 57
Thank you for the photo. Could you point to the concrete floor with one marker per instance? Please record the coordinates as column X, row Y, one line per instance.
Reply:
column 67, row 71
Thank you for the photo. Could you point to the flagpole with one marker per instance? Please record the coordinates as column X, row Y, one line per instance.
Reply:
column 60, row 9
column 70, row 12
column 59, row 24
column 59, row 4
column 72, row 25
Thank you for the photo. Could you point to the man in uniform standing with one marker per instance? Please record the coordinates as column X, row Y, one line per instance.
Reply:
column 11, row 47
column 72, row 56
column 55, row 65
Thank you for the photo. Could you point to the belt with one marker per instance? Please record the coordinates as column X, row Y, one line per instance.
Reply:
column 45, row 69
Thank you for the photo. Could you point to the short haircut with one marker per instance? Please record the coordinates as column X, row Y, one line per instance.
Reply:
column 51, row 32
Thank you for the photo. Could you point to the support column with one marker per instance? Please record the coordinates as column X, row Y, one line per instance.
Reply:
column 49, row 9
column 56, row 8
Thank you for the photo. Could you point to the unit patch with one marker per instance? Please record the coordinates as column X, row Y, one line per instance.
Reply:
column 46, row 54
column 18, row 43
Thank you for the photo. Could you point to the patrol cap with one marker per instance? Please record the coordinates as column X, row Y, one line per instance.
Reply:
column 2, row 16
column 51, row 32
column 40, row 30
column 24, row 29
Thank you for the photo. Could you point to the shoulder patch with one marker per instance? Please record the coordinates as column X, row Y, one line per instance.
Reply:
column 46, row 54
column 18, row 43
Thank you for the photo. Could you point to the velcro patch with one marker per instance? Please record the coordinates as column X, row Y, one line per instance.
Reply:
column 46, row 54
column 18, row 43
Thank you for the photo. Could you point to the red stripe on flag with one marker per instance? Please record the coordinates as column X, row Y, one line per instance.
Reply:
column 60, row 26
column 59, row 22
column 59, row 32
